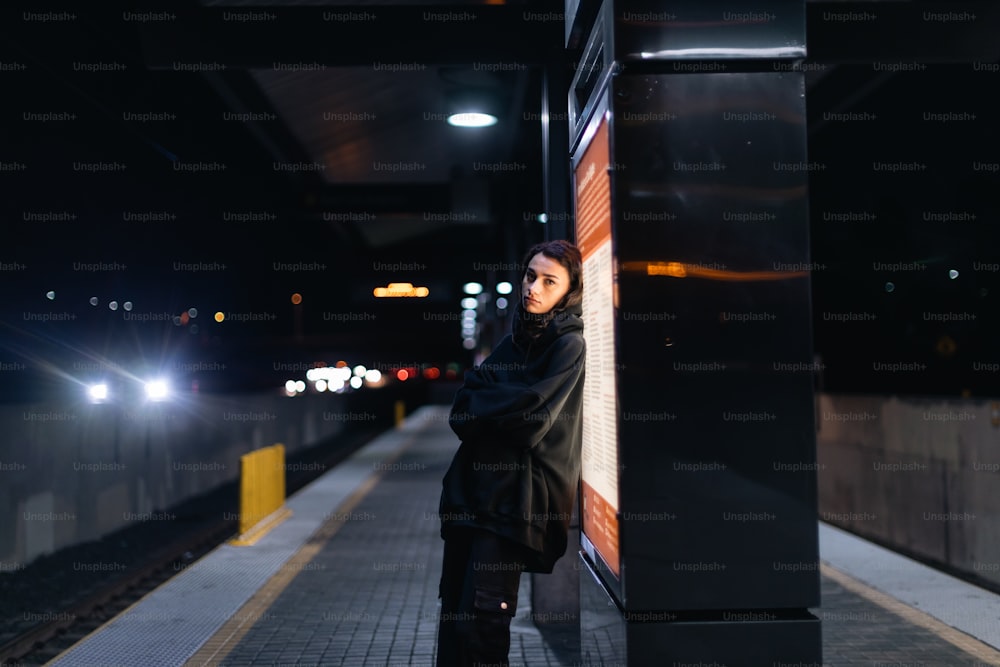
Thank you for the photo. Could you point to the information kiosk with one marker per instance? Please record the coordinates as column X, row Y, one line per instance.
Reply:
column 698, row 503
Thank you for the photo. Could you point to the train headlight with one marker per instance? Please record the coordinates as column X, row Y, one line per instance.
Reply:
column 98, row 392
column 157, row 390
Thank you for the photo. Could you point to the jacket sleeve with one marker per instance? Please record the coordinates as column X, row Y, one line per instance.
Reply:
column 519, row 413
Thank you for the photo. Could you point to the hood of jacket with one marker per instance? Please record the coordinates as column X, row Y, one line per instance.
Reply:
column 562, row 322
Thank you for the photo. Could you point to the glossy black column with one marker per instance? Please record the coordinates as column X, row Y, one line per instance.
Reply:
column 716, row 507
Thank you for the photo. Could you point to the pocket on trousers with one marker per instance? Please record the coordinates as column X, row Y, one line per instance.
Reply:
column 495, row 602
column 494, row 612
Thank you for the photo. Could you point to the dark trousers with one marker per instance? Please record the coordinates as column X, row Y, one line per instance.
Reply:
column 479, row 581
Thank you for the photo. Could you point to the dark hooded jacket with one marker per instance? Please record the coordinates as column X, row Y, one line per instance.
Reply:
column 518, row 416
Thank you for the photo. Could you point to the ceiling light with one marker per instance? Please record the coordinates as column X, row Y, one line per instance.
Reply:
column 472, row 119
column 472, row 107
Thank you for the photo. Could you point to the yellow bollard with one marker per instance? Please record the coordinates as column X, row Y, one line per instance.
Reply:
column 262, row 494
column 400, row 413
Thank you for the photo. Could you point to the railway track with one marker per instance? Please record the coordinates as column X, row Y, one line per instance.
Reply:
column 74, row 622
column 68, row 626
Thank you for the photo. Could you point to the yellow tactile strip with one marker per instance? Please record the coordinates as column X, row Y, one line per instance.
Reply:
column 957, row 638
column 236, row 628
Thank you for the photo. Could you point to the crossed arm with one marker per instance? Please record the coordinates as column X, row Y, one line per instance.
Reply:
column 518, row 412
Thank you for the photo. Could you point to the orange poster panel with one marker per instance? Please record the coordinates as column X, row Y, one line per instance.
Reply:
column 593, row 194
column 600, row 525
column 600, row 418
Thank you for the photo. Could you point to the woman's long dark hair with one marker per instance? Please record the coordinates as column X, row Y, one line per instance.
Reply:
column 529, row 326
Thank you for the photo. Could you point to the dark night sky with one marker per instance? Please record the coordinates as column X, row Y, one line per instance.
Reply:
column 99, row 253
column 136, row 228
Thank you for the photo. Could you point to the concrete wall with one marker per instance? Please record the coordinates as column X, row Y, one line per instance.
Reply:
column 920, row 475
column 73, row 473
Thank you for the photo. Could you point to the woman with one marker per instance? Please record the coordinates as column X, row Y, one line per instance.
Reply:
column 509, row 493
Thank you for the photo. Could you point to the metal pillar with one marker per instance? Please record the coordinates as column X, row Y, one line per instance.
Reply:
column 688, row 143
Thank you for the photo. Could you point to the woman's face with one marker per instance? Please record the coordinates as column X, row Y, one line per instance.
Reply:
column 545, row 282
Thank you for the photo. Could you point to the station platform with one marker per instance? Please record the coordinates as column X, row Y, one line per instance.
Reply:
column 351, row 579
